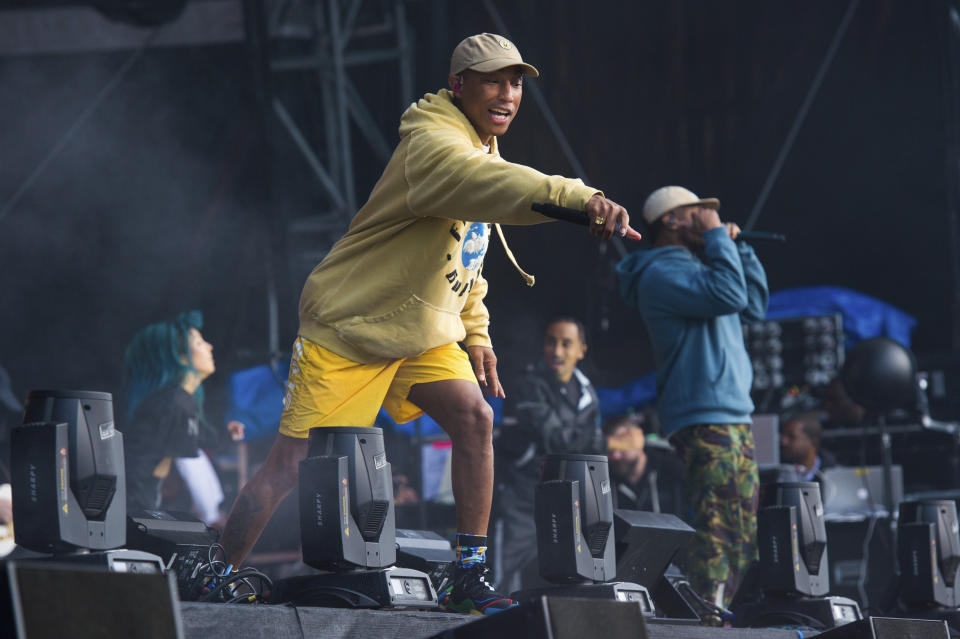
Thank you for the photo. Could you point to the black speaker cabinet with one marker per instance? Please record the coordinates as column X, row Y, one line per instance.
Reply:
column 849, row 567
column 45, row 599
column 646, row 544
column 889, row 628
column 558, row 618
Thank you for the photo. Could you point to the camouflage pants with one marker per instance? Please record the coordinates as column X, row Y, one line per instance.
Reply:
column 722, row 486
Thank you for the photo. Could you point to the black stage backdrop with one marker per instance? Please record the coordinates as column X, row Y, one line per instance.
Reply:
column 163, row 199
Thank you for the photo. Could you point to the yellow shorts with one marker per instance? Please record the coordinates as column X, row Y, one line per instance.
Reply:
column 325, row 389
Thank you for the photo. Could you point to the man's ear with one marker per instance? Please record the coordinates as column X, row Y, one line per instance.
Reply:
column 455, row 83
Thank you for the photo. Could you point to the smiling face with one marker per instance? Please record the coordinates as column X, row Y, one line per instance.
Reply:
column 563, row 348
column 489, row 100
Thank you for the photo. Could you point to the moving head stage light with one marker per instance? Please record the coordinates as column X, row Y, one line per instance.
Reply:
column 792, row 575
column 928, row 549
column 573, row 512
column 347, row 527
column 69, row 486
column 68, row 479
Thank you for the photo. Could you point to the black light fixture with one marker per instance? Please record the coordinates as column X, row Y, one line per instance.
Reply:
column 68, row 480
column 573, row 512
column 789, row 583
column 347, row 527
column 928, row 550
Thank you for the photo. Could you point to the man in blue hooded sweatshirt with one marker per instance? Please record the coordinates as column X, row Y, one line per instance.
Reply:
column 693, row 289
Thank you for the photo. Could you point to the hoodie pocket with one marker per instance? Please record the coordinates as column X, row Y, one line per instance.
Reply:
column 409, row 329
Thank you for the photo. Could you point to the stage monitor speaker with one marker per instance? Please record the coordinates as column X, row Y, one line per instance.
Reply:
column 45, row 599
column 889, row 628
column 558, row 618
column 869, row 579
column 346, row 500
column 426, row 551
column 646, row 544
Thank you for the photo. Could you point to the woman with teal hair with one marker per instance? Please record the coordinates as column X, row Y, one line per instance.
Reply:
column 165, row 366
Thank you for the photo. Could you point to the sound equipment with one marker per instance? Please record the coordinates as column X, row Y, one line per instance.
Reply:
column 180, row 539
column 646, row 543
column 889, row 628
column 558, row 618
column 46, row 599
column 866, row 578
column 426, row 551
column 67, row 473
column 166, row 533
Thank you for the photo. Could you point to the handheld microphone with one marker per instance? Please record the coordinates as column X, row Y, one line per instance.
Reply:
column 761, row 236
column 575, row 216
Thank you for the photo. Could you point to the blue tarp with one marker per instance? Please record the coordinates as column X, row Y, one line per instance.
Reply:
column 628, row 398
column 863, row 316
column 256, row 399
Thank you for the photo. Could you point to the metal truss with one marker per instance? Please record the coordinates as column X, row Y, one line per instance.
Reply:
column 335, row 37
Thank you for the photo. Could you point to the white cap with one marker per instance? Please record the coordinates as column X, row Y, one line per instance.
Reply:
column 667, row 198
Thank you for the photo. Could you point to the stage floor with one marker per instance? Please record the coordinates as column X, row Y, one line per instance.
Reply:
column 229, row 621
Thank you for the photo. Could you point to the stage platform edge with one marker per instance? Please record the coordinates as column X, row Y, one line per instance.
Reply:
column 229, row 621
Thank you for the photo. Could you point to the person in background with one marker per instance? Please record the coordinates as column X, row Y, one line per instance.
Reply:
column 800, row 445
column 646, row 472
column 165, row 365
column 553, row 410
column 693, row 289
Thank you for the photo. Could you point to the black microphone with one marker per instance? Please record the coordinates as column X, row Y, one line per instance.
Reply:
column 575, row 216
column 761, row 236
column 561, row 213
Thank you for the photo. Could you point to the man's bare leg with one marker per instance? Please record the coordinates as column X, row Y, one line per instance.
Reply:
column 260, row 497
column 458, row 406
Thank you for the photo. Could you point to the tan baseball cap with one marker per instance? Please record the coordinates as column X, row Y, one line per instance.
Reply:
column 488, row 52
column 667, row 198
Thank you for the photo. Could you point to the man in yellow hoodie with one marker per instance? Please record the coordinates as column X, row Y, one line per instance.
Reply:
column 381, row 317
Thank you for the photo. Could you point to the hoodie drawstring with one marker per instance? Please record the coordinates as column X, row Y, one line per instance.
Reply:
column 529, row 279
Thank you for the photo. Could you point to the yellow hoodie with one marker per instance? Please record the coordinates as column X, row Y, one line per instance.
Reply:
column 406, row 277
